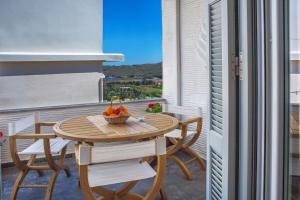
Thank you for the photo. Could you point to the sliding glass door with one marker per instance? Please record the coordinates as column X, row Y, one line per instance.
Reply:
column 269, row 133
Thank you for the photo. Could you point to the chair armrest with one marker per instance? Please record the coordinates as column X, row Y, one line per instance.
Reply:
column 35, row 136
column 189, row 121
column 185, row 121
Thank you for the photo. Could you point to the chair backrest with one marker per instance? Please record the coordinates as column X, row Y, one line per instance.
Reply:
column 91, row 155
column 22, row 124
column 182, row 110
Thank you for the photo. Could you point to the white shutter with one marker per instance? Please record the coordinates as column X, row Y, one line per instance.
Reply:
column 215, row 27
column 221, row 138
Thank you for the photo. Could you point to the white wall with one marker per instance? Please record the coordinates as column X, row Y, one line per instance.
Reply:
column 295, row 29
column 171, row 65
column 43, row 26
column 193, row 61
column 51, row 26
column 48, row 90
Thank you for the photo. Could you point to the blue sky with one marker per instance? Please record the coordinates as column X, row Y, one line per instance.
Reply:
column 134, row 28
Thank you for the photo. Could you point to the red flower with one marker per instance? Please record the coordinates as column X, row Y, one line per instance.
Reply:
column 151, row 105
column 1, row 134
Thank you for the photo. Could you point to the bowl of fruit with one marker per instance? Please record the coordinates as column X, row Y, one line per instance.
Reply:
column 116, row 114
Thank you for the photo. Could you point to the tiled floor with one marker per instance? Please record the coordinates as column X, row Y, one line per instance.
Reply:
column 176, row 186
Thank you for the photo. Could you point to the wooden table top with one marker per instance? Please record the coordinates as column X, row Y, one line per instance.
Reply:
column 95, row 129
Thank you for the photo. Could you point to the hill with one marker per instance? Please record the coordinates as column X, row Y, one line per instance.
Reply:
column 143, row 71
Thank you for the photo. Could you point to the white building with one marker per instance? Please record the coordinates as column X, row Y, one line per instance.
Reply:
column 53, row 53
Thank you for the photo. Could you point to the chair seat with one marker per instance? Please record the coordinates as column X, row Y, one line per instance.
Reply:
column 119, row 172
column 177, row 134
column 56, row 145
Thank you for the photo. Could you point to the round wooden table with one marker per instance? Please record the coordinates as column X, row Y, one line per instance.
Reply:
column 93, row 129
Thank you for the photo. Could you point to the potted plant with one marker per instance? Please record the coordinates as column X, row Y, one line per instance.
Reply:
column 154, row 108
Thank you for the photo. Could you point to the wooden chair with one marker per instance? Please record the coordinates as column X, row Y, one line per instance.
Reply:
column 113, row 164
column 185, row 136
column 45, row 144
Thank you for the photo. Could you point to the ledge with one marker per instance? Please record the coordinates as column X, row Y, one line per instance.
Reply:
column 6, row 111
column 56, row 57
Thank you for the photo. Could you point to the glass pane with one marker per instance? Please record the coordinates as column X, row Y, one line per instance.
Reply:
column 294, row 157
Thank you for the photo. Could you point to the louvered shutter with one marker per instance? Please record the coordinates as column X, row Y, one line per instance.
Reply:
column 216, row 66
column 221, row 138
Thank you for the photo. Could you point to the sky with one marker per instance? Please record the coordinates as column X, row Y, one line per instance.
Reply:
column 133, row 28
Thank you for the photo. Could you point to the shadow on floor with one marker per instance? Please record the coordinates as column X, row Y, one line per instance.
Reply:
column 176, row 186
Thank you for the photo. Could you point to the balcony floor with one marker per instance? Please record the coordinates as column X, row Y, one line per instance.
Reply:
column 176, row 186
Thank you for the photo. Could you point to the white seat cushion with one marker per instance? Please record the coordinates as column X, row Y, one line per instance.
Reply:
column 56, row 145
column 119, row 172
column 177, row 133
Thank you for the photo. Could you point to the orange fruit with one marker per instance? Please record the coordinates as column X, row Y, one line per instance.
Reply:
column 109, row 110
column 105, row 113
column 121, row 107
column 125, row 112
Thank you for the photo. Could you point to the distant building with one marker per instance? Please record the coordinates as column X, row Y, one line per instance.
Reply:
column 155, row 80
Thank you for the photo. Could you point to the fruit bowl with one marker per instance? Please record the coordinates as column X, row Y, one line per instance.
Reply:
column 116, row 115
column 116, row 119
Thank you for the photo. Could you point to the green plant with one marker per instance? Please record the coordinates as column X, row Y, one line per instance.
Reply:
column 154, row 108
